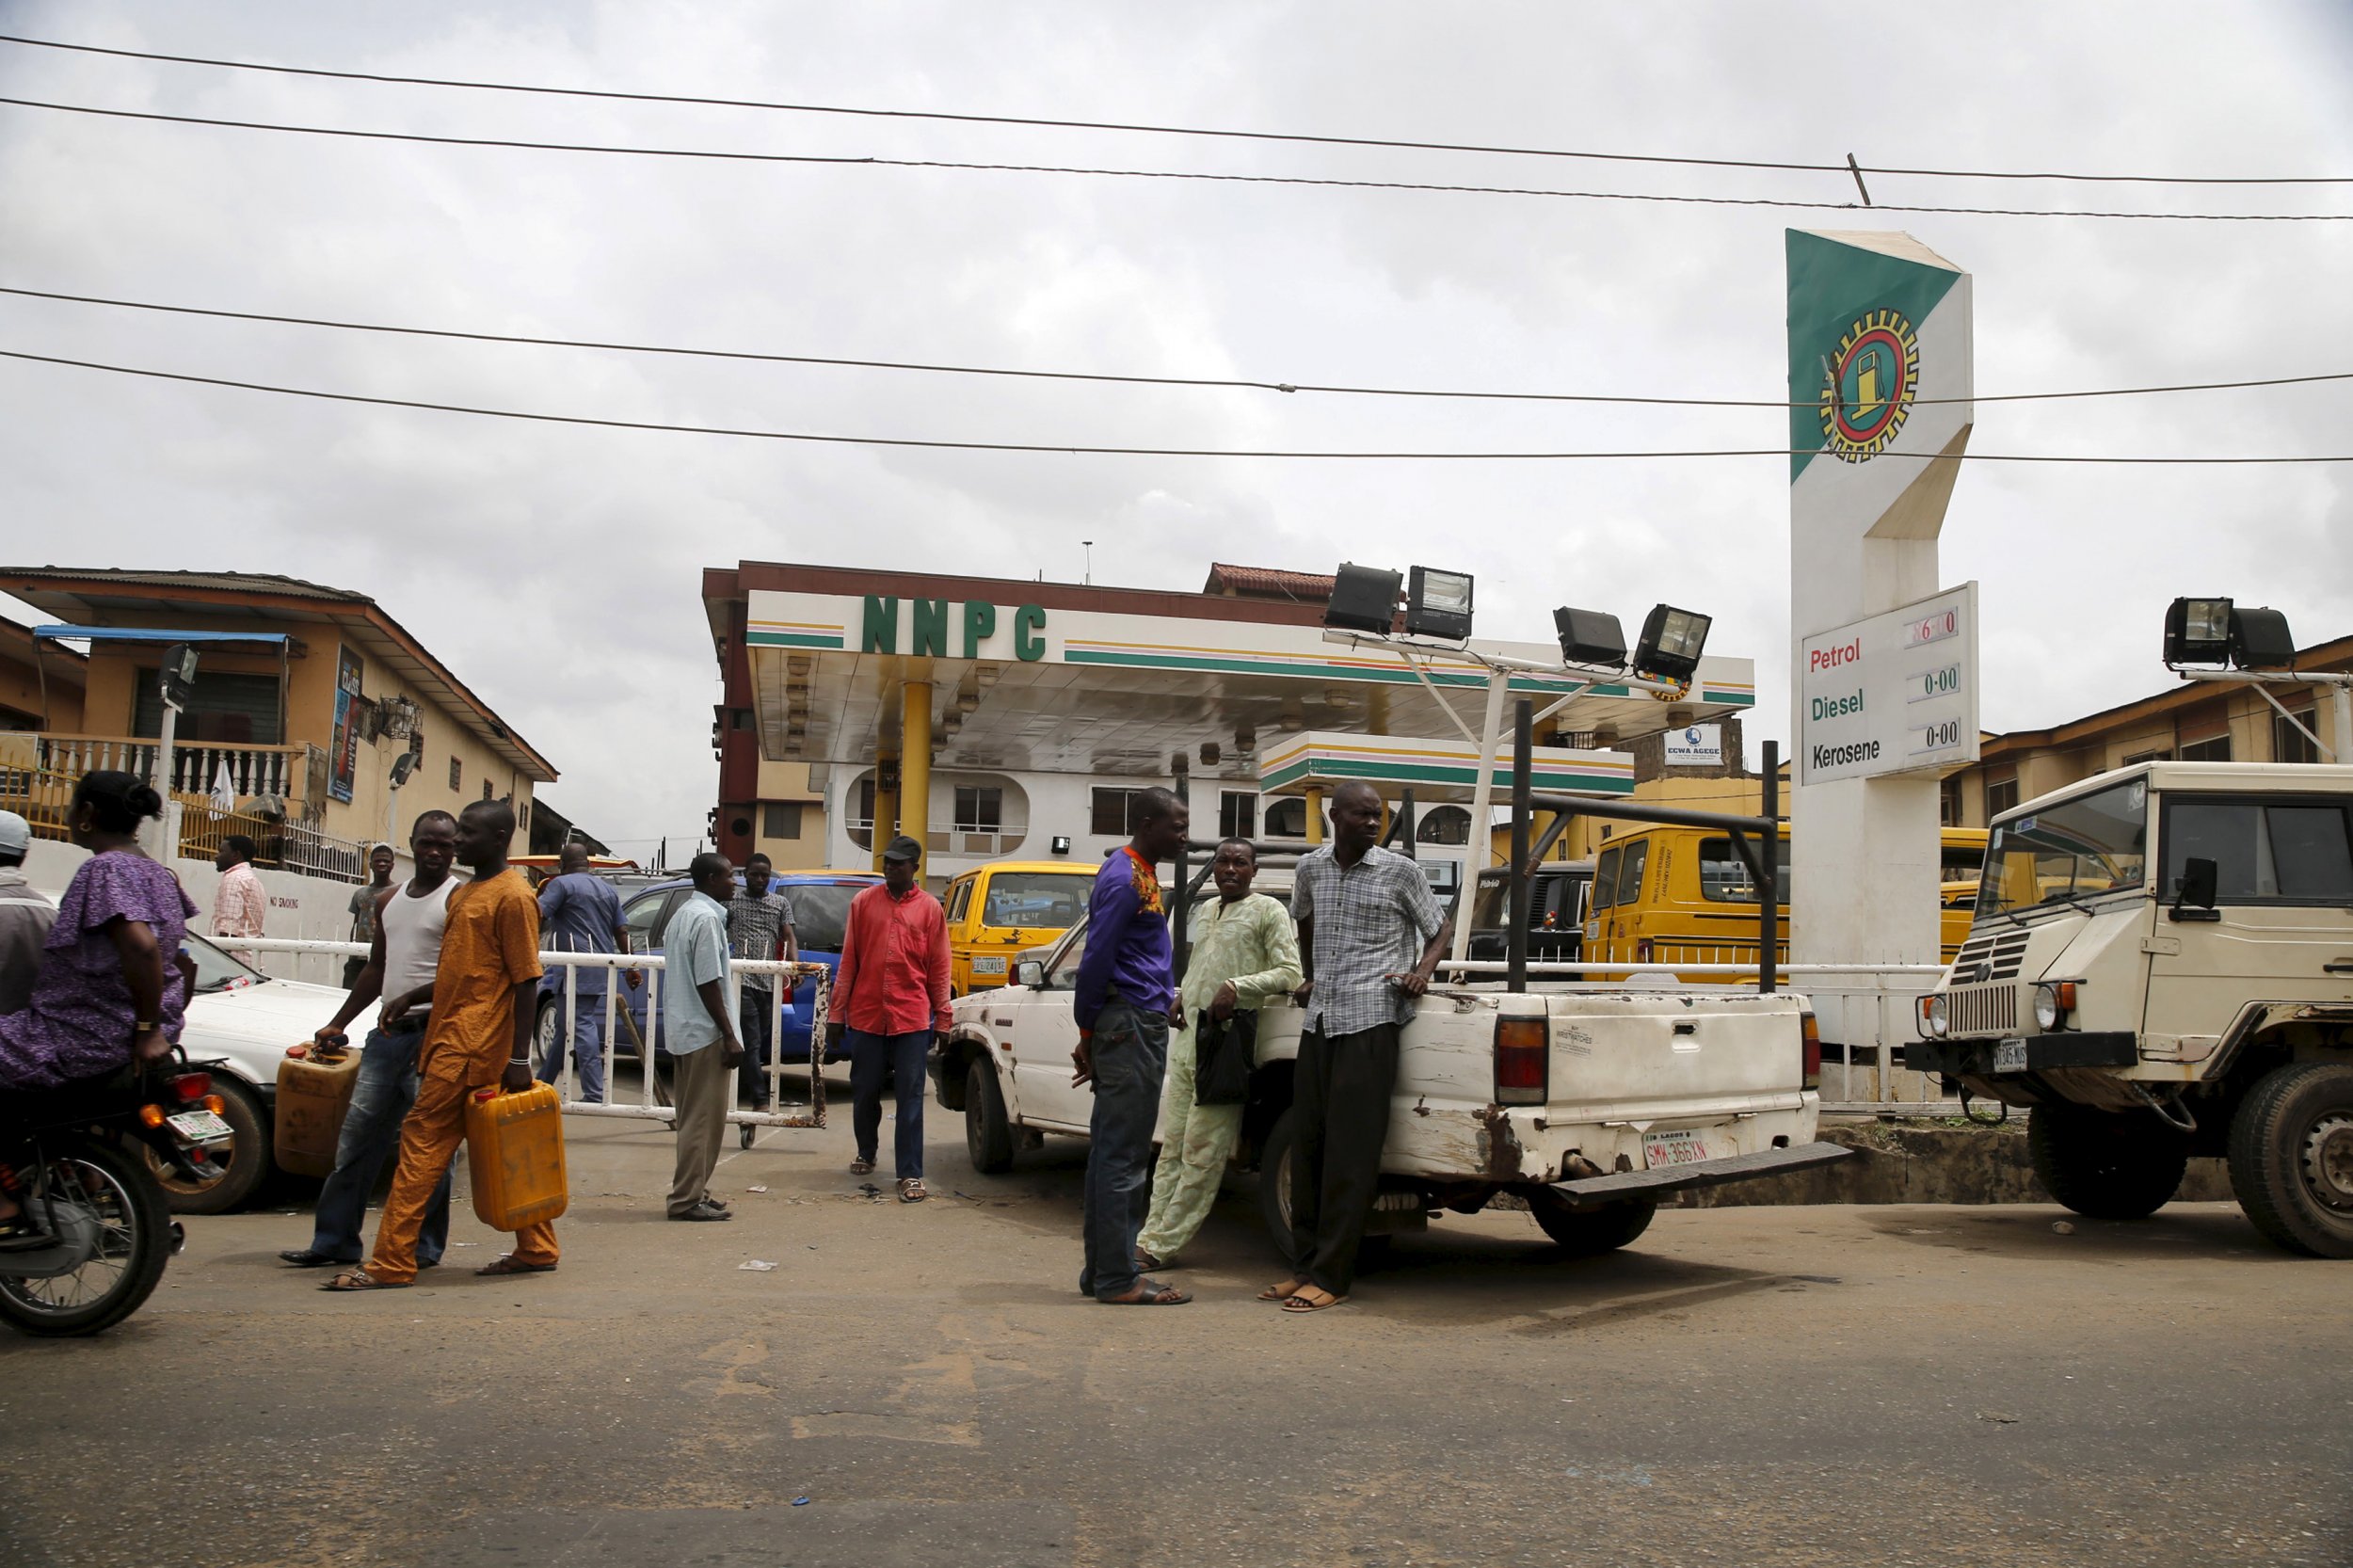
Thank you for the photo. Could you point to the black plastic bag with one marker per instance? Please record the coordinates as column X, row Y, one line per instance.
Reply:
column 1224, row 1052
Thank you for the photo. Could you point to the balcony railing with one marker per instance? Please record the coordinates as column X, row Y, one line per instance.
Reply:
column 278, row 771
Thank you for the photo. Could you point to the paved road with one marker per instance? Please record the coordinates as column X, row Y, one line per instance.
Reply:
column 1753, row 1386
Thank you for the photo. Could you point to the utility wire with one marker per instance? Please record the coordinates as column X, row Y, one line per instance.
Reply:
column 1204, row 382
column 1070, row 448
column 1386, row 143
column 1152, row 173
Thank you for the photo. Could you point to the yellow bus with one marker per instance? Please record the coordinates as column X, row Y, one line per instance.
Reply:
column 998, row 910
column 1664, row 896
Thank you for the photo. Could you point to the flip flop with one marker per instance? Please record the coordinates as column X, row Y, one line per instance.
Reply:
column 1301, row 1304
column 862, row 1167
column 507, row 1263
column 1282, row 1292
column 359, row 1279
column 911, row 1191
column 1149, row 1292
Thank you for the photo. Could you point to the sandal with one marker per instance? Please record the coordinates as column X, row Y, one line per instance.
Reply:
column 862, row 1166
column 1283, row 1292
column 1303, row 1303
column 1149, row 1292
column 359, row 1279
column 911, row 1190
column 507, row 1263
column 1144, row 1260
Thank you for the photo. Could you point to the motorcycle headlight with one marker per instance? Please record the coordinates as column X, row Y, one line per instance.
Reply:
column 1939, row 1015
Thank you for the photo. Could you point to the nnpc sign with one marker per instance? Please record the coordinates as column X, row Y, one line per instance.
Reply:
column 933, row 626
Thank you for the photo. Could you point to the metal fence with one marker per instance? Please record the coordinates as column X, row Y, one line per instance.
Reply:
column 623, row 1038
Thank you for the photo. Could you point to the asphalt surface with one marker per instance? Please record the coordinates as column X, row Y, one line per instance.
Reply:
column 921, row 1384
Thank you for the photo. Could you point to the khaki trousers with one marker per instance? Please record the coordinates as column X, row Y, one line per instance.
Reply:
column 700, row 1087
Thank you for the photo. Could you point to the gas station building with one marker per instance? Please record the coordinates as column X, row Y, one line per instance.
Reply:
column 995, row 719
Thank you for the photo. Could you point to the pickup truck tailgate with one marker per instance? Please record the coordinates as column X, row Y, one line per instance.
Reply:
column 1635, row 1054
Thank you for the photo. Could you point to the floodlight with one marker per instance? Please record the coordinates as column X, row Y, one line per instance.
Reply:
column 1671, row 640
column 2260, row 640
column 2197, row 632
column 1438, row 604
column 1590, row 636
column 177, row 679
column 1363, row 598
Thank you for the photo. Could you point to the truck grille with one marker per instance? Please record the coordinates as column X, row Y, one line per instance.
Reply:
column 1994, row 955
column 1984, row 1009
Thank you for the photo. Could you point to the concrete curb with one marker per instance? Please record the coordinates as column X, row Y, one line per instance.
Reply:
column 1895, row 1162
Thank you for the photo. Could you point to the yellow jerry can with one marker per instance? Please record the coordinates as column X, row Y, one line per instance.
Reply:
column 315, row 1084
column 515, row 1157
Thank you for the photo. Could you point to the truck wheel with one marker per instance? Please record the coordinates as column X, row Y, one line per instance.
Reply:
column 2292, row 1158
column 2106, row 1164
column 1275, row 1195
column 1589, row 1232
column 987, row 1133
column 250, row 1156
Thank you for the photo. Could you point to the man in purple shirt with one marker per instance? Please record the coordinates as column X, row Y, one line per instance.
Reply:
column 1125, row 993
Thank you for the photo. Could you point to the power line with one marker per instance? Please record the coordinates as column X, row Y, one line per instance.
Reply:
column 1221, row 383
column 609, row 149
column 1296, row 137
column 1067, row 449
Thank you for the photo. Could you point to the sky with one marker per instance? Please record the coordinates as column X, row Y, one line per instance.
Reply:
column 557, row 569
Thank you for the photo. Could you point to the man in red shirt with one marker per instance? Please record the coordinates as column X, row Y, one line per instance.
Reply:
column 890, row 999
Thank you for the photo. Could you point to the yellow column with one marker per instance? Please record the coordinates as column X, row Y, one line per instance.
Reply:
column 915, row 763
column 886, row 811
column 1315, row 816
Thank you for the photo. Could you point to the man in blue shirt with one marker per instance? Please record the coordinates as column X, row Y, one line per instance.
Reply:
column 1124, row 995
column 698, row 1031
column 578, row 912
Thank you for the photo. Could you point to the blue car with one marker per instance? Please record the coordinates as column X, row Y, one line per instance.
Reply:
column 821, row 908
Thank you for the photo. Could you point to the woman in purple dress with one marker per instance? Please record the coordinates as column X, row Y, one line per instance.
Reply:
column 102, row 1000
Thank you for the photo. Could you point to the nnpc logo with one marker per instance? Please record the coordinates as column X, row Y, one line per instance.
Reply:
column 1868, row 390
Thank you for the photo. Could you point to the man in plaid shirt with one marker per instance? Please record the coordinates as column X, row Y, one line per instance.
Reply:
column 1370, row 934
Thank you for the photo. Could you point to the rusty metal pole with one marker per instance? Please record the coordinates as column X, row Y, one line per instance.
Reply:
column 1516, row 942
column 1768, row 877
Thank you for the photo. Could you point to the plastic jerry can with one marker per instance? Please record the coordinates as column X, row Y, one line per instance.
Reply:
column 315, row 1084
column 515, row 1157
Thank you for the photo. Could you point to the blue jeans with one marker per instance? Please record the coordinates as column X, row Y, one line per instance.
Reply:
column 756, row 1014
column 587, row 1044
column 386, row 1089
column 900, row 1057
column 1130, row 1056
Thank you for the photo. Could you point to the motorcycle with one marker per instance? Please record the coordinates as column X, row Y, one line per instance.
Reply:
column 102, row 1227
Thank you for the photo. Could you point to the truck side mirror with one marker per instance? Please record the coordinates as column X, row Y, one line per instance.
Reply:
column 2194, row 895
column 1031, row 974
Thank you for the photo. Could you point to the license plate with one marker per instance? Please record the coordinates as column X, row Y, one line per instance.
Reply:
column 1672, row 1148
column 198, row 1127
column 988, row 966
column 2010, row 1056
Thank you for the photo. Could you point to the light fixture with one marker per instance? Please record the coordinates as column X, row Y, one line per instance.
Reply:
column 2197, row 632
column 1363, row 598
column 2260, row 640
column 1590, row 636
column 968, row 701
column 1438, row 604
column 1245, row 739
column 1210, row 754
column 1062, row 845
column 1672, row 641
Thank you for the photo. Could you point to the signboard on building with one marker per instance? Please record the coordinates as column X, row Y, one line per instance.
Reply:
column 345, row 752
column 1699, row 745
column 1891, row 694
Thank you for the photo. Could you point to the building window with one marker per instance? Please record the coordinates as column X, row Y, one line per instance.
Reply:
column 456, row 774
column 1114, row 810
column 1443, row 824
column 1287, row 818
column 2001, row 794
column 1237, row 814
column 486, row 789
column 980, row 808
column 781, row 819
column 1949, row 803
column 2290, row 744
column 2213, row 748
column 224, row 708
column 2141, row 756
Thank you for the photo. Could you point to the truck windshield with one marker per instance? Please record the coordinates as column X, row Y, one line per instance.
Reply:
column 2084, row 847
column 1050, row 899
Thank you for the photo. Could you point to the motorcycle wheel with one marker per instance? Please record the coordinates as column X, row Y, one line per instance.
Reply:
column 134, row 1243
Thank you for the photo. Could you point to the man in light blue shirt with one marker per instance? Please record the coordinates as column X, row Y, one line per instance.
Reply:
column 698, row 1031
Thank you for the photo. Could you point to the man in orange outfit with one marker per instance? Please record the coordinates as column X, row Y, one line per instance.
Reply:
column 485, row 1000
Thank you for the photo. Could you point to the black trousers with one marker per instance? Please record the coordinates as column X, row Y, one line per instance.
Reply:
column 1340, row 1090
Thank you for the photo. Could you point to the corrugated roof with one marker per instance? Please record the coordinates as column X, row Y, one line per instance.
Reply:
column 1305, row 588
column 231, row 582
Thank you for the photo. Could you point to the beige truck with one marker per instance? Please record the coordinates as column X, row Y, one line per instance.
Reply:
column 2160, row 965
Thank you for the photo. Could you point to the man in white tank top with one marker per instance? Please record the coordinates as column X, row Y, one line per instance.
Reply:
column 401, row 959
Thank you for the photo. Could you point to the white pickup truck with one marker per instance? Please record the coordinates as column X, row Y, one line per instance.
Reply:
column 1588, row 1105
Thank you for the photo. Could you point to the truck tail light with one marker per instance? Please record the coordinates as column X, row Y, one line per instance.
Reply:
column 1523, row 1060
column 1810, row 1034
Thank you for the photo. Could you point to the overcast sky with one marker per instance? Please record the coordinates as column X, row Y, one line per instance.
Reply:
column 557, row 569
